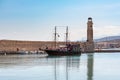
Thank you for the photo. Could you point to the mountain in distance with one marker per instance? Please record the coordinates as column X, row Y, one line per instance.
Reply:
column 108, row 38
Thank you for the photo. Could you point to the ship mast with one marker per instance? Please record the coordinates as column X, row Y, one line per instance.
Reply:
column 55, row 34
column 66, row 34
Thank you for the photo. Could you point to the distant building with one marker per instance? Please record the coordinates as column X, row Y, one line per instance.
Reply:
column 106, row 45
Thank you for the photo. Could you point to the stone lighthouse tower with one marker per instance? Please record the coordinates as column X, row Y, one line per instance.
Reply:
column 89, row 42
column 89, row 30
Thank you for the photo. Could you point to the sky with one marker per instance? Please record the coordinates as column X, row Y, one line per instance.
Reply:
column 36, row 19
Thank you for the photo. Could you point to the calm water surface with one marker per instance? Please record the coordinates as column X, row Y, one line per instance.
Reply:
column 98, row 66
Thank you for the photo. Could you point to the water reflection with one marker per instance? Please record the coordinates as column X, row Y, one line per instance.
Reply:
column 10, row 61
column 58, row 68
column 84, row 67
column 72, row 63
column 67, row 63
column 90, row 64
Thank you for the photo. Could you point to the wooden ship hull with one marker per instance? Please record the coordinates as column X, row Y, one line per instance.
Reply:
column 62, row 53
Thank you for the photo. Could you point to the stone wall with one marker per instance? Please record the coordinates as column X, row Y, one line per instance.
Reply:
column 13, row 45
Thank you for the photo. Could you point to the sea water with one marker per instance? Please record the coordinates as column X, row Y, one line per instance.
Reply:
column 91, row 66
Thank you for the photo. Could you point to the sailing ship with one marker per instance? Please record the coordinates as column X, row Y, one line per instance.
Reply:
column 68, row 49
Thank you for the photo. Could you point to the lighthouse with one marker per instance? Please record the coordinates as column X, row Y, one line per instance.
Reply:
column 89, row 45
column 90, row 30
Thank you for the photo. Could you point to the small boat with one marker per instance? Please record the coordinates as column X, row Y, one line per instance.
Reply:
column 67, row 50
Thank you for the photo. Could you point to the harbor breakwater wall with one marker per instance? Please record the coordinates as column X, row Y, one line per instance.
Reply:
column 14, row 45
